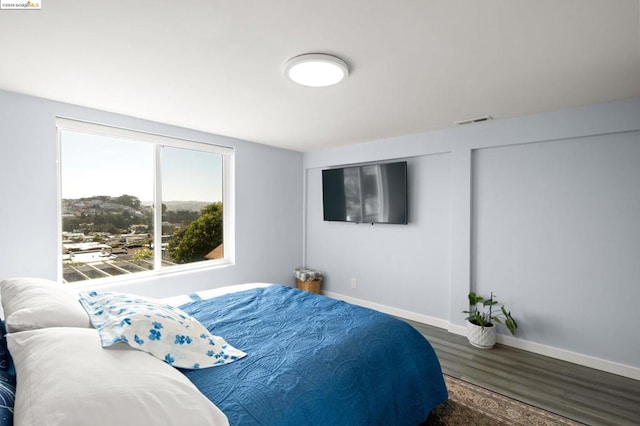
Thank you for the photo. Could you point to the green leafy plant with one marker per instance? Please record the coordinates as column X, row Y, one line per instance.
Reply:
column 486, row 316
column 143, row 254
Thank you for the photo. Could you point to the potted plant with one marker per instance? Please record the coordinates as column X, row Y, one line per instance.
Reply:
column 481, row 330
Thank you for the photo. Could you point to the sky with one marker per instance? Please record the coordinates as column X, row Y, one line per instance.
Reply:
column 99, row 165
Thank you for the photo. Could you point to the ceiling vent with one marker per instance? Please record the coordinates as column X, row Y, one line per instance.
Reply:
column 475, row 120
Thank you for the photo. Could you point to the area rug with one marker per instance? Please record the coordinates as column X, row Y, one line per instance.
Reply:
column 472, row 405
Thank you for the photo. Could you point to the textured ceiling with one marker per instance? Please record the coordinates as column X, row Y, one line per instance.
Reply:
column 416, row 65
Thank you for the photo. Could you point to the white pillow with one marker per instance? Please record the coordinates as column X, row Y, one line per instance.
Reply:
column 164, row 331
column 31, row 303
column 66, row 378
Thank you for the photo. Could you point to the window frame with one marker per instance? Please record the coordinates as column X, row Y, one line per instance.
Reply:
column 158, row 141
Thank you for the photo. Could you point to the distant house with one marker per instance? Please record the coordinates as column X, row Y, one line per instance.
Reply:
column 139, row 229
column 216, row 253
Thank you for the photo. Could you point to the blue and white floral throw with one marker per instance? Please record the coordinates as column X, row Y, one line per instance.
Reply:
column 162, row 330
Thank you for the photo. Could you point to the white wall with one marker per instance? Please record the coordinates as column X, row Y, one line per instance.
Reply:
column 268, row 199
column 543, row 211
column 383, row 258
column 557, row 233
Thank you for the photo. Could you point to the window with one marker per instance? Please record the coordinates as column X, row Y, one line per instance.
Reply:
column 133, row 202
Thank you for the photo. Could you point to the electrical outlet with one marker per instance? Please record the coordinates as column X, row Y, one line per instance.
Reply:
column 354, row 283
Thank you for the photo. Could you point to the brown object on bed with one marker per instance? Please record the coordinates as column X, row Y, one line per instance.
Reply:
column 312, row 286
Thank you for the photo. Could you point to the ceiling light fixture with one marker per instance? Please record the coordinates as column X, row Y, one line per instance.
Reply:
column 316, row 70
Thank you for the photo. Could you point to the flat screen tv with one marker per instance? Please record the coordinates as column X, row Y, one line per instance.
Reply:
column 372, row 193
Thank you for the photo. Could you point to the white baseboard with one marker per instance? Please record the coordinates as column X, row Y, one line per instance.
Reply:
column 538, row 348
column 424, row 319
column 574, row 357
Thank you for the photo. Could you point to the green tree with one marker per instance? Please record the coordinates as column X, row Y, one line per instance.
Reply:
column 193, row 242
column 128, row 200
column 181, row 216
column 143, row 254
column 70, row 224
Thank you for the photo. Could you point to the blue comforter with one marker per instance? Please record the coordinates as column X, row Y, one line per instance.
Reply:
column 313, row 360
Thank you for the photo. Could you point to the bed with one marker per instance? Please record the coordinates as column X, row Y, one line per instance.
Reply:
column 304, row 359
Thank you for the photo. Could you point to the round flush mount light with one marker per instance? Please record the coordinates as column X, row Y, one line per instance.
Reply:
column 316, row 70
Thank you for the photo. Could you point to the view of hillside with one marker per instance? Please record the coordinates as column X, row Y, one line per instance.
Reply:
column 105, row 236
column 193, row 206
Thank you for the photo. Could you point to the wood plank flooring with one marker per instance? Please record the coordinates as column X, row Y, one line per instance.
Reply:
column 580, row 393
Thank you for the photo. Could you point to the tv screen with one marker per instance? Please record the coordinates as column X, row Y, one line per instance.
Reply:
column 375, row 193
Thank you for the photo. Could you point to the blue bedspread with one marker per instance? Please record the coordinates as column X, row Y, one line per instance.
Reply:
column 313, row 360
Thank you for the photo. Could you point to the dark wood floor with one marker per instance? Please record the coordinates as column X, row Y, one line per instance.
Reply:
column 580, row 393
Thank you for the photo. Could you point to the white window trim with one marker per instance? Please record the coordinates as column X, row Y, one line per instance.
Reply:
column 228, row 196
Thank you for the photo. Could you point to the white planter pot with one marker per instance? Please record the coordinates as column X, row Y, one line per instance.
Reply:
column 480, row 337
